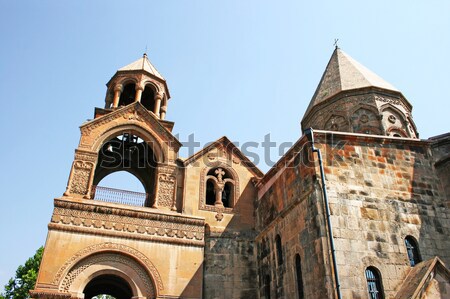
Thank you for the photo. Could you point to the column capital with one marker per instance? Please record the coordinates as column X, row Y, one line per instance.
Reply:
column 118, row 87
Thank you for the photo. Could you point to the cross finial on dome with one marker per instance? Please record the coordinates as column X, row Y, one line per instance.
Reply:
column 336, row 43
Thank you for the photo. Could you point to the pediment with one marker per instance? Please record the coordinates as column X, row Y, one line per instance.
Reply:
column 223, row 151
column 426, row 280
column 133, row 114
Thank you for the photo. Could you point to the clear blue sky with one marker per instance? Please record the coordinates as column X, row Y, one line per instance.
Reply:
column 236, row 68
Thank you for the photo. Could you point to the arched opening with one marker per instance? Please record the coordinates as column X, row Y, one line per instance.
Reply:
column 210, row 192
column 111, row 285
column 413, row 251
column 148, row 98
column 121, row 187
column 128, row 95
column 279, row 250
column 374, row 286
column 126, row 152
column 220, row 188
column 298, row 276
column 227, row 195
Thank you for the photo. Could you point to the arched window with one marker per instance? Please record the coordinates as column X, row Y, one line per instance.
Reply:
column 210, row 193
column 128, row 95
column 279, row 250
column 413, row 251
column 374, row 286
column 298, row 276
column 148, row 98
column 219, row 188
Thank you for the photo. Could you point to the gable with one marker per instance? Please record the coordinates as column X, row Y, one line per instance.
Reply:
column 134, row 115
column 223, row 150
column 428, row 279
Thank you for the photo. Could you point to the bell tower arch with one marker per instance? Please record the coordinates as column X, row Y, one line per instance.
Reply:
column 121, row 242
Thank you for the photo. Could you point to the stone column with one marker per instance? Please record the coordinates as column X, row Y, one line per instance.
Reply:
column 219, row 190
column 158, row 99
column 163, row 112
column 117, row 92
column 139, row 90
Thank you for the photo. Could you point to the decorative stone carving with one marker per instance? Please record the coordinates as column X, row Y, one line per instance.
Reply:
column 108, row 257
column 166, row 190
column 392, row 119
column 80, row 178
column 76, row 260
column 100, row 220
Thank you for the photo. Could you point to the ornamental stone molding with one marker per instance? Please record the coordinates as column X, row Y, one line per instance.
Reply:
column 110, row 221
column 80, row 178
column 107, row 252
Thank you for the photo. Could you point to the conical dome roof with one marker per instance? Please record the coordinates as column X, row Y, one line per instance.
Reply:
column 142, row 64
column 343, row 73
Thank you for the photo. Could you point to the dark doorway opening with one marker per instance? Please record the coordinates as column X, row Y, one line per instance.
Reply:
column 109, row 285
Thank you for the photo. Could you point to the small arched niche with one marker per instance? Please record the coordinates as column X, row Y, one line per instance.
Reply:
column 128, row 153
column 128, row 94
column 148, row 97
column 220, row 183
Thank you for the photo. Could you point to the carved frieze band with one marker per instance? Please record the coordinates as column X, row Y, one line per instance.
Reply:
column 47, row 294
column 166, row 229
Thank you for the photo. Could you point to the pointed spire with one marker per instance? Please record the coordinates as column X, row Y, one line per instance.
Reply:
column 142, row 64
column 343, row 73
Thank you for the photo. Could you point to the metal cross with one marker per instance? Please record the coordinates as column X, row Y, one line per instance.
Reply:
column 336, row 42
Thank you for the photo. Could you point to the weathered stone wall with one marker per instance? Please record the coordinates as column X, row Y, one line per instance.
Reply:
column 290, row 205
column 380, row 191
column 441, row 153
column 230, row 266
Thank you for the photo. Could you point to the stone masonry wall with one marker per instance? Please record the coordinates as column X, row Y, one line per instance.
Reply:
column 230, row 266
column 290, row 205
column 380, row 191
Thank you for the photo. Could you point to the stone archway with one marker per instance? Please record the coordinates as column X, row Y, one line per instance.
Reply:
column 97, row 271
column 112, row 260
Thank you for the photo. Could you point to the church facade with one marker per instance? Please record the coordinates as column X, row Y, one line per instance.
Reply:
column 357, row 208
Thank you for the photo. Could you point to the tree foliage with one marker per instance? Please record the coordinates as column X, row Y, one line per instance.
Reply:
column 25, row 279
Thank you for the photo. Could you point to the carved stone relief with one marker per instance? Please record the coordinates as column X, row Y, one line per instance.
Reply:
column 166, row 191
column 80, row 177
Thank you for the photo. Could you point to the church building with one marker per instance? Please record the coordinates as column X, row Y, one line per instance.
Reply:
column 357, row 208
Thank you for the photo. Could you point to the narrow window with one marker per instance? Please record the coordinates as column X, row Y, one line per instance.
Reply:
column 374, row 283
column 267, row 286
column 279, row 250
column 210, row 193
column 298, row 272
column 413, row 251
column 128, row 94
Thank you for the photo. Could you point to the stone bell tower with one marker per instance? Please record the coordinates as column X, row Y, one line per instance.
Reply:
column 125, row 244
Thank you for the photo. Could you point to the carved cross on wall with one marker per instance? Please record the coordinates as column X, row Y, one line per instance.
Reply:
column 220, row 173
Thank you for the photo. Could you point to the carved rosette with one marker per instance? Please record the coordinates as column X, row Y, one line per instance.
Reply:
column 81, row 176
